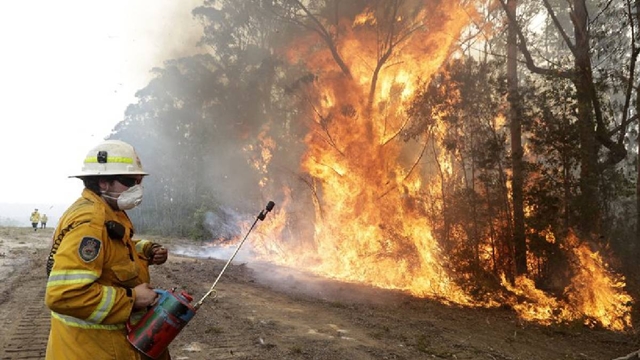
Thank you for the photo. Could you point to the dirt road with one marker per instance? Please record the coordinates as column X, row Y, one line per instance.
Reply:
column 266, row 312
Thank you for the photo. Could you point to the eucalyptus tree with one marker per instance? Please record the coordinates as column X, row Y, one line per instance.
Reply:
column 598, row 59
column 515, row 125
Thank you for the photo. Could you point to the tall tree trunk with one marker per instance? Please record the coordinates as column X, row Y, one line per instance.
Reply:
column 636, row 247
column 589, row 204
column 519, row 239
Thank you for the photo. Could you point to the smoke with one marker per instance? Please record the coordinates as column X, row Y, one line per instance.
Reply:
column 223, row 224
column 300, row 282
column 293, row 281
column 154, row 31
column 226, row 227
column 214, row 252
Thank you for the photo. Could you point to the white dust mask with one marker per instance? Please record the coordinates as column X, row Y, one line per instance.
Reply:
column 127, row 199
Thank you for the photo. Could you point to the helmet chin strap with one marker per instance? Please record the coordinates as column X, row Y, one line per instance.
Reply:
column 111, row 200
column 104, row 194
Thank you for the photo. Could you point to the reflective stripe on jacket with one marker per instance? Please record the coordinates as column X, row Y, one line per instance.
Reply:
column 87, row 287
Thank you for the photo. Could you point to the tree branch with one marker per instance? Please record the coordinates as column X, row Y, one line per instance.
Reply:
column 522, row 45
column 556, row 22
column 328, row 39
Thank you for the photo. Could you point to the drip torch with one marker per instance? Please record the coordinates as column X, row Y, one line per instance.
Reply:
column 157, row 328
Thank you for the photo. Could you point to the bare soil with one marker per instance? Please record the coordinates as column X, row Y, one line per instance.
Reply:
column 261, row 311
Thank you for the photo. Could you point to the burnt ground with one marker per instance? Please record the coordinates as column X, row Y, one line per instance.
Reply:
column 264, row 312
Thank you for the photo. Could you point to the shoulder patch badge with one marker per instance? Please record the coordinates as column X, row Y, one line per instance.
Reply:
column 89, row 248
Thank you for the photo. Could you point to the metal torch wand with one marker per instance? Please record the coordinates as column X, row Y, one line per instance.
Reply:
column 260, row 217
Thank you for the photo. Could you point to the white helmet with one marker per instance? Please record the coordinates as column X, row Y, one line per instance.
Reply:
column 112, row 157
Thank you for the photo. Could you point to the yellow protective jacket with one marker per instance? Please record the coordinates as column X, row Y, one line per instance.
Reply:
column 43, row 219
column 35, row 217
column 90, row 287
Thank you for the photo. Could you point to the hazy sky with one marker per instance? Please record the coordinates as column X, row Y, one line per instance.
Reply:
column 68, row 70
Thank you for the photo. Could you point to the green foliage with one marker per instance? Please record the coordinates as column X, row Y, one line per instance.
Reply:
column 198, row 229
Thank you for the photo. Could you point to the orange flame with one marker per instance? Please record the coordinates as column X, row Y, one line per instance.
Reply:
column 369, row 225
column 596, row 294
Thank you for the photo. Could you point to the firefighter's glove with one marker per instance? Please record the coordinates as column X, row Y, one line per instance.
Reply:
column 158, row 254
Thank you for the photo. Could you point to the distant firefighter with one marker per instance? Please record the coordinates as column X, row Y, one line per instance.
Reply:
column 43, row 221
column 35, row 219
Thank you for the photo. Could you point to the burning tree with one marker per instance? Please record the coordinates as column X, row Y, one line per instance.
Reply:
column 370, row 221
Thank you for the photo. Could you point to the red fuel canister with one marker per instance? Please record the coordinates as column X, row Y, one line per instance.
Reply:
column 162, row 323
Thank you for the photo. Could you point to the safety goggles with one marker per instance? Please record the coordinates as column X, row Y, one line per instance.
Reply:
column 128, row 181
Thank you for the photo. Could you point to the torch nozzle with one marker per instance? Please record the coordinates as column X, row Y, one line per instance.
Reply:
column 264, row 212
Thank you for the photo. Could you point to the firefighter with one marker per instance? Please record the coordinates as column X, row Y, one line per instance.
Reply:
column 35, row 219
column 98, row 275
column 43, row 221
